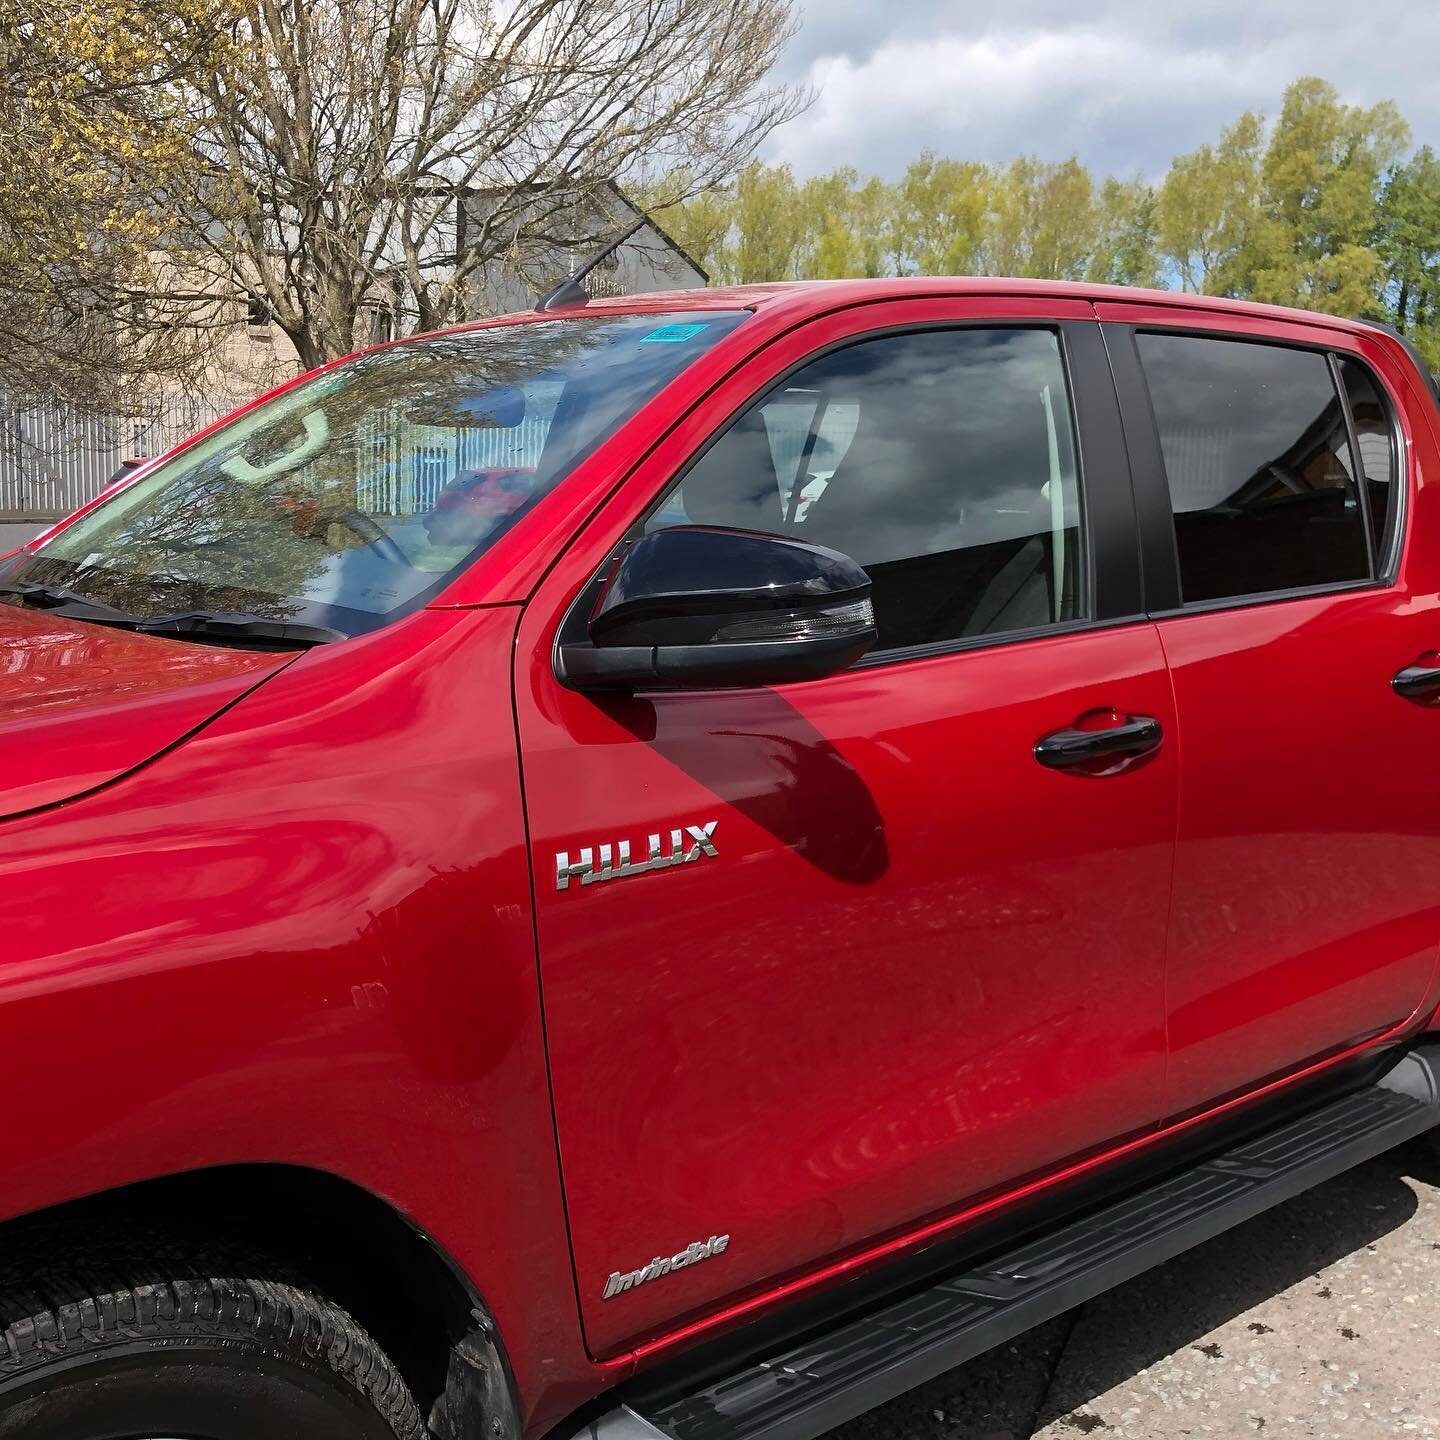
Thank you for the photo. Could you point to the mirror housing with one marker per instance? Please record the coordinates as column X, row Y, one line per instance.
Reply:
column 700, row 607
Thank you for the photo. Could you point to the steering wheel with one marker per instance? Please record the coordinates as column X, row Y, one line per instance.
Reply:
column 317, row 432
column 376, row 536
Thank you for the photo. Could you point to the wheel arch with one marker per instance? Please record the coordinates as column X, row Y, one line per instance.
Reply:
column 358, row 1248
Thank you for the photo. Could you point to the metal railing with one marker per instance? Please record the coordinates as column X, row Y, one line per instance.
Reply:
column 53, row 459
column 405, row 466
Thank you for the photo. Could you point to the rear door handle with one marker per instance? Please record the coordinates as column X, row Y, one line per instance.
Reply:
column 1134, row 736
column 1417, row 682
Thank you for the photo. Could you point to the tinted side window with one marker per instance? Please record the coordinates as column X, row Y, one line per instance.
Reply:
column 943, row 461
column 1375, row 439
column 1258, row 461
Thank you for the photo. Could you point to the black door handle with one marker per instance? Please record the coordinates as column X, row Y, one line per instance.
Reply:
column 1135, row 735
column 1417, row 682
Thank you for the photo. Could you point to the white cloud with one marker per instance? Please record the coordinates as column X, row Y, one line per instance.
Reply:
column 1125, row 86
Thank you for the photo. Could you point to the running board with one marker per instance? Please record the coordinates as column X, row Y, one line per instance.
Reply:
column 798, row 1391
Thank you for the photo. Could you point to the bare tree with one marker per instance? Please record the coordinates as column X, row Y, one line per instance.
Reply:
column 390, row 149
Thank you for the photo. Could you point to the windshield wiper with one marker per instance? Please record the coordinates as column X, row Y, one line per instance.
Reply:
column 199, row 624
column 236, row 625
column 57, row 597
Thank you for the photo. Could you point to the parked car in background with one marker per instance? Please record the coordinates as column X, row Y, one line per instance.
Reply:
column 126, row 469
column 676, row 866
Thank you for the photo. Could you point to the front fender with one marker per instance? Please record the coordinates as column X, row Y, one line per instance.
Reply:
column 305, row 937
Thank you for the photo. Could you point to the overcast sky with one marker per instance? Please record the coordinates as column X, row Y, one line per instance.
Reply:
column 1125, row 84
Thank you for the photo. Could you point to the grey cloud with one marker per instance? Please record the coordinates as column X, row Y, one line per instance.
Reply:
column 1125, row 85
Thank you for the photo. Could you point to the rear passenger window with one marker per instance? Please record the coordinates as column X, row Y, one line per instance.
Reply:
column 1375, row 440
column 943, row 461
column 1258, row 460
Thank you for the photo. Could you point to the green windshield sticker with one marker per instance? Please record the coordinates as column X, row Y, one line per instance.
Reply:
column 674, row 332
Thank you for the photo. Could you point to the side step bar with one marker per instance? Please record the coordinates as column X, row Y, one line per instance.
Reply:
column 798, row 1391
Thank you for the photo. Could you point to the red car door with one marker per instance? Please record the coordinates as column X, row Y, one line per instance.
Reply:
column 1279, row 479
column 908, row 963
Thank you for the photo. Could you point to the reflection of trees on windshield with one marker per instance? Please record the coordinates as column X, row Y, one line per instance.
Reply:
column 215, row 544
column 312, row 501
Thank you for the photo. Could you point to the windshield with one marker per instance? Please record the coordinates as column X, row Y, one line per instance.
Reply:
column 354, row 497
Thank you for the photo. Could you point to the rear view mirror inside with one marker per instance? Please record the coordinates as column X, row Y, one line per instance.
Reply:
column 500, row 409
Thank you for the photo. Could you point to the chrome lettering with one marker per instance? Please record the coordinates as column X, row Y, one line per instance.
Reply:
column 697, row 1250
column 613, row 860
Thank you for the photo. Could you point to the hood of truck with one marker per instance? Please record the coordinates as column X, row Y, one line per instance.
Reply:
column 82, row 704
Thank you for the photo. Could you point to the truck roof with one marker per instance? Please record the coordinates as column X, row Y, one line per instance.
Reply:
column 812, row 296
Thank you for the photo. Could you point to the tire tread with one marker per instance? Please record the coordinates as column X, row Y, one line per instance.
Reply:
column 170, row 1292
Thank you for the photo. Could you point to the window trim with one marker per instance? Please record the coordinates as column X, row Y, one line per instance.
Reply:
column 1155, row 514
column 1107, row 518
column 1386, row 563
column 1357, row 470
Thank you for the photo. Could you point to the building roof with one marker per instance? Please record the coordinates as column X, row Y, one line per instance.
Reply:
column 661, row 231
column 472, row 191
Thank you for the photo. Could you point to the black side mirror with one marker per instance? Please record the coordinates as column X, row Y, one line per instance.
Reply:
column 700, row 607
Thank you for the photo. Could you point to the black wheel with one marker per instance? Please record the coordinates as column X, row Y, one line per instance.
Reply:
column 155, row 1344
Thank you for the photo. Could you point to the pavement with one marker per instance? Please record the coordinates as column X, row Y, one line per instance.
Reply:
column 1319, row 1319
column 12, row 536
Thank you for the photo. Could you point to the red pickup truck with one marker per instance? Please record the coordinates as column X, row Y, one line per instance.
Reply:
column 674, row 867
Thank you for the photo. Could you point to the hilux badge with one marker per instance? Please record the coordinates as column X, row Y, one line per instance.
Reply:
column 613, row 861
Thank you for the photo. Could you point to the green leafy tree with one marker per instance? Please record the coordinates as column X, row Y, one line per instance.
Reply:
column 769, row 226
column 1321, row 209
column 1043, row 220
column 834, row 244
column 700, row 226
column 1408, row 243
column 940, row 210
column 1322, row 175
column 1127, row 244
column 93, row 122
column 1208, row 207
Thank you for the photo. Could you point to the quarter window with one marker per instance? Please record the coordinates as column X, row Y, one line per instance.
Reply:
column 942, row 461
column 1257, row 456
column 1375, row 441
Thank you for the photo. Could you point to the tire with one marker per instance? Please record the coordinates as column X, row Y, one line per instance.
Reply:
column 119, row 1342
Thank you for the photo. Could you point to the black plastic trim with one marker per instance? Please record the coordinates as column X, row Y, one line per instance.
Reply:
column 1271, row 597
column 1155, row 524
column 1417, row 682
column 802, row 1386
column 1066, row 749
column 991, row 642
column 868, row 1287
column 1107, row 492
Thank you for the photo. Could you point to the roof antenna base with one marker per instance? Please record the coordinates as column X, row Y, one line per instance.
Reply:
column 570, row 291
